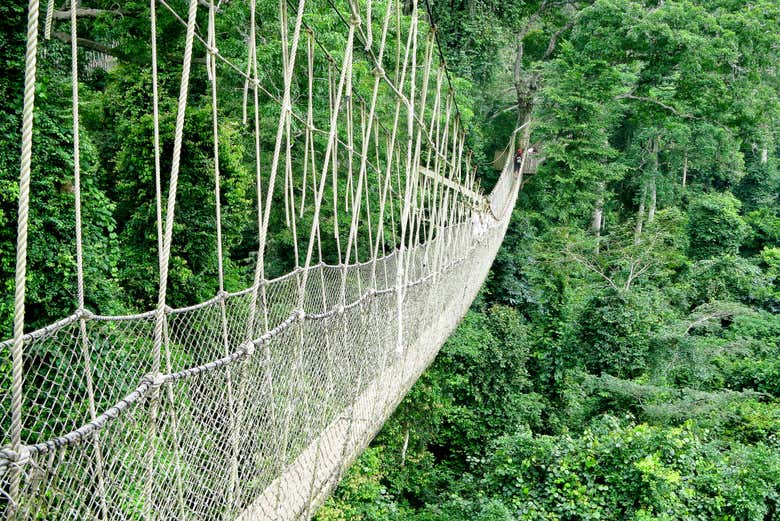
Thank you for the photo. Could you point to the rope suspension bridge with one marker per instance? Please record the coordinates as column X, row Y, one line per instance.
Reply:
column 252, row 404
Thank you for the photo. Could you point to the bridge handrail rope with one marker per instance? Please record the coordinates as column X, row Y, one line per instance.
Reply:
column 348, row 338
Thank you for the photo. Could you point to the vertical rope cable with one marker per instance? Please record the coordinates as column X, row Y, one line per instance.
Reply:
column 85, row 347
column 49, row 17
column 308, row 137
column 20, row 279
column 378, row 74
column 329, row 153
column 410, row 175
column 284, row 115
column 211, row 66
column 165, row 252
column 158, row 223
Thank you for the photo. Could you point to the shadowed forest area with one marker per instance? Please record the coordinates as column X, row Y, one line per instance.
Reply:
column 623, row 360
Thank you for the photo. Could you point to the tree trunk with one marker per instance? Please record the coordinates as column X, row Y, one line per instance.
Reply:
column 653, row 201
column 598, row 215
column 524, row 90
column 653, row 191
column 685, row 171
column 405, row 447
column 640, row 215
column 765, row 146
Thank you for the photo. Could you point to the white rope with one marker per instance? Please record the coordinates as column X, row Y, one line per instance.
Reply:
column 259, row 272
column 329, row 152
column 308, row 155
column 413, row 168
column 284, row 115
column 211, row 66
column 17, row 349
column 48, row 21
column 85, row 347
column 366, row 139
column 411, row 176
column 165, row 252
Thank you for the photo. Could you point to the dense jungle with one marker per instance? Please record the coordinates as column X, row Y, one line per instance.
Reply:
column 622, row 361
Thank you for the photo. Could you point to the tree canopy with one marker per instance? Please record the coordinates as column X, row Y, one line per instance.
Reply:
column 640, row 270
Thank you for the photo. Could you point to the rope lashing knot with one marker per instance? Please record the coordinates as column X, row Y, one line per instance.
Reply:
column 355, row 20
column 6, row 455
column 379, row 72
column 222, row 295
column 23, row 457
column 249, row 349
column 300, row 314
column 85, row 314
column 340, row 309
column 212, row 50
column 156, row 380
column 10, row 458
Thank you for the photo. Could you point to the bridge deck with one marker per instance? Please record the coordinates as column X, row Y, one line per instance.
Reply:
column 308, row 481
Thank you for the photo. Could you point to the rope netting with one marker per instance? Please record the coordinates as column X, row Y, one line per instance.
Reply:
column 251, row 405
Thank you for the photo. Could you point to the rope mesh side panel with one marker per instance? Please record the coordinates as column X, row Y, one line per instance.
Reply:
column 252, row 404
column 333, row 390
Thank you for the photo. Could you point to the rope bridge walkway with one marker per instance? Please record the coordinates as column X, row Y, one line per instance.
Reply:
column 252, row 404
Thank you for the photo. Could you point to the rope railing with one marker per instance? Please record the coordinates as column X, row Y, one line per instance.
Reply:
column 251, row 404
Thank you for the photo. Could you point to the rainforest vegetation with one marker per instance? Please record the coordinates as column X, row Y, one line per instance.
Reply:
column 622, row 361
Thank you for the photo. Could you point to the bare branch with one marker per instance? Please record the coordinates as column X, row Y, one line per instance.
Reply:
column 658, row 103
column 586, row 263
column 89, row 44
column 554, row 39
column 635, row 273
column 86, row 13
column 672, row 110
column 507, row 109
column 719, row 314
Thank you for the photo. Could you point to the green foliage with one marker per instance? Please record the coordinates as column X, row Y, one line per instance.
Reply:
column 714, row 226
column 361, row 492
column 726, row 278
column 765, row 228
column 618, row 471
column 656, row 118
column 631, row 370
column 615, row 332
